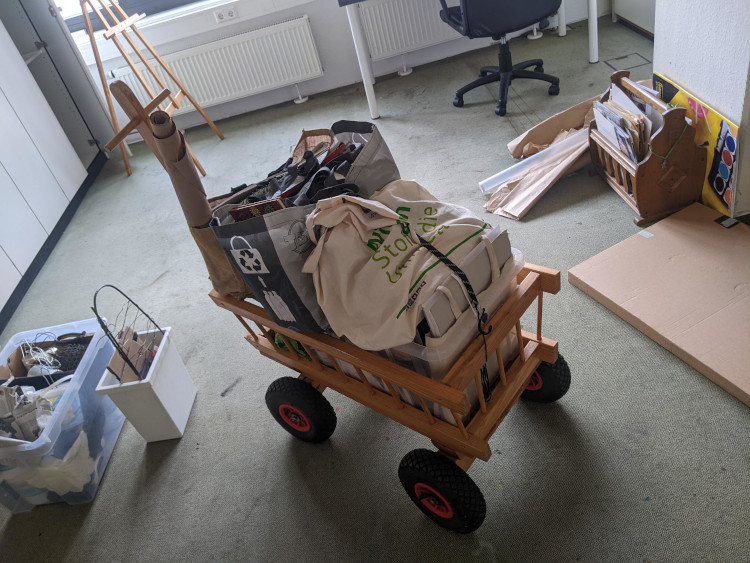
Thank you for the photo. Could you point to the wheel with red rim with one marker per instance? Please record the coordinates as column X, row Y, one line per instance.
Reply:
column 442, row 490
column 301, row 409
column 549, row 382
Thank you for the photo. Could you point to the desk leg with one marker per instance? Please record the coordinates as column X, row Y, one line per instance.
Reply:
column 562, row 22
column 363, row 57
column 593, row 33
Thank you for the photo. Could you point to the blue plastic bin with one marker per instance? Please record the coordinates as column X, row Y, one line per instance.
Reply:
column 78, row 439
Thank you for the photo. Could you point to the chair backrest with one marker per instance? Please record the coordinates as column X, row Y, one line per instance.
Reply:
column 493, row 18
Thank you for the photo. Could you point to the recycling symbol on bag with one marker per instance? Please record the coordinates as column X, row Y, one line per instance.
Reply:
column 248, row 259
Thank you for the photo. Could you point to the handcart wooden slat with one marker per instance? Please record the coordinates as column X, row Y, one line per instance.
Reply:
column 324, row 361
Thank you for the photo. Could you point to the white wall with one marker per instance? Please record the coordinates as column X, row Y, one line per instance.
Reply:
column 577, row 10
column 704, row 46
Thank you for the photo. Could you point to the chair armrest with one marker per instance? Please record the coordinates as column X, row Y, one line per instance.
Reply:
column 448, row 15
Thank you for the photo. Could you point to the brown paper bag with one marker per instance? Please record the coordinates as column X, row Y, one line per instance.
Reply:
column 515, row 197
column 545, row 132
column 5, row 373
column 15, row 363
column 136, row 352
column 316, row 140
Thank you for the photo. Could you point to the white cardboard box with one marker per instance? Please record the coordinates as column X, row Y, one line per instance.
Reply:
column 159, row 405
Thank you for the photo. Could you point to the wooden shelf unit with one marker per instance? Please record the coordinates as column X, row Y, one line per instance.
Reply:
column 654, row 187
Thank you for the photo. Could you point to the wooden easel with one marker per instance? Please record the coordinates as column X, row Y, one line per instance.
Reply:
column 139, row 120
column 117, row 22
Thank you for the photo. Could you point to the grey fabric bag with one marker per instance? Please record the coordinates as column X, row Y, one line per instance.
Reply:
column 374, row 167
column 269, row 252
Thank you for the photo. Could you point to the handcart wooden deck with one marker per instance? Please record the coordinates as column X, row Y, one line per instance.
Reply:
column 435, row 481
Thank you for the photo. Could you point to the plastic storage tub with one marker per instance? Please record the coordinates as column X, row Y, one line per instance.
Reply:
column 67, row 461
column 438, row 355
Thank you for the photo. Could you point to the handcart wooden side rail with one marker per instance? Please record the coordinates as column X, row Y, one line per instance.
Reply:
column 463, row 441
column 436, row 482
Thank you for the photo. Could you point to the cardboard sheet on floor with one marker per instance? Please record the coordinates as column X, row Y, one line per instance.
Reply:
column 685, row 283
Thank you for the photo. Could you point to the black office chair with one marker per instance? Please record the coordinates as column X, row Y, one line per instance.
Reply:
column 497, row 18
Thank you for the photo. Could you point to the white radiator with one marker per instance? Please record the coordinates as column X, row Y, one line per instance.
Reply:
column 257, row 61
column 394, row 27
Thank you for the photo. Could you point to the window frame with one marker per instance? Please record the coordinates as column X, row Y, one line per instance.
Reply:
column 149, row 7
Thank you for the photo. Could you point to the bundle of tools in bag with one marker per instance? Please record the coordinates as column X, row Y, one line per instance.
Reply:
column 262, row 227
column 333, row 240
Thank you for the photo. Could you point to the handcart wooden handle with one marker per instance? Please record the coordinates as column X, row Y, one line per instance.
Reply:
column 402, row 394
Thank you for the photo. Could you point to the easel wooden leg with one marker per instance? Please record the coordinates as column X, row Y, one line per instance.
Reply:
column 103, row 78
column 195, row 159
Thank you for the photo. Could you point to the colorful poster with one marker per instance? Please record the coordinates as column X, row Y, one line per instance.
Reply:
column 720, row 137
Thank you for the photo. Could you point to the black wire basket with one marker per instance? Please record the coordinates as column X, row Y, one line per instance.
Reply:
column 134, row 334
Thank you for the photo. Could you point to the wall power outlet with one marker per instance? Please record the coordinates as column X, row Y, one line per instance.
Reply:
column 225, row 13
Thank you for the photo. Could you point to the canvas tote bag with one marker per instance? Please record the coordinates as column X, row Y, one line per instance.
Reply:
column 370, row 270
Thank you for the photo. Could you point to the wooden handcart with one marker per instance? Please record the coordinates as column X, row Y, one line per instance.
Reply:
column 436, row 482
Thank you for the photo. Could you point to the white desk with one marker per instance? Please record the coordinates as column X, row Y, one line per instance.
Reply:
column 363, row 55
column 593, row 32
column 562, row 30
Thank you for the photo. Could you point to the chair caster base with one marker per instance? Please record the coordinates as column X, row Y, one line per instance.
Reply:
column 458, row 101
column 500, row 110
column 554, row 90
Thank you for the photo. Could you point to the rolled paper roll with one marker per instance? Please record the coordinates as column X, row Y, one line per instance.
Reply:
column 181, row 169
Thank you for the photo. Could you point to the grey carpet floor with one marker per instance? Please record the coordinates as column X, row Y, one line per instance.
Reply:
column 643, row 460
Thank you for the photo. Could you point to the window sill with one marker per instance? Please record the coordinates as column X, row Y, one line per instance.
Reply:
column 183, row 23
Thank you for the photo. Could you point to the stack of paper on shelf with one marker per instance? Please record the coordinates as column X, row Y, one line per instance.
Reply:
column 624, row 123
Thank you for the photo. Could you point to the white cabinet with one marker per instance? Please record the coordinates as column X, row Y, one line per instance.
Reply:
column 40, row 171
column 9, row 277
column 28, row 170
column 31, row 107
column 21, row 233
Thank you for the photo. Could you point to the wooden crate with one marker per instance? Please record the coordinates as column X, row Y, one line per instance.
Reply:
column 656, row 186
column 466, row 439
column 436, row 482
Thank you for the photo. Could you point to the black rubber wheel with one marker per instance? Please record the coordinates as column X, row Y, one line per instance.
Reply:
column 442, row 490
column 554, row 90
column 539, row 68
column 549, row 382
column 301, row 409
column 458, row 102
column 500, row 110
